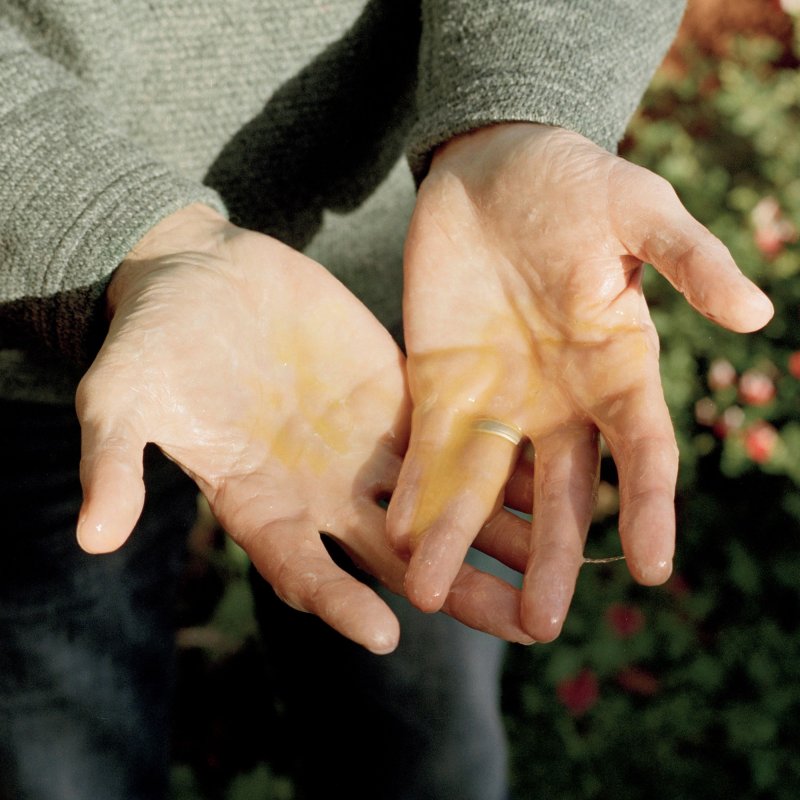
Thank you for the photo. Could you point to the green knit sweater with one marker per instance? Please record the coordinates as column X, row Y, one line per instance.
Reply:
column 306, row 119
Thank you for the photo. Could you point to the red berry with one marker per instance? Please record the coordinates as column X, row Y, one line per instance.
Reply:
column 731, row 419
column 721, row 374
column 625, row 620
column 756, row 388
column 760, row 441
column 580, row 693
column 772, row 228
column 638, row 681
column 794, row 364
column 768, row 242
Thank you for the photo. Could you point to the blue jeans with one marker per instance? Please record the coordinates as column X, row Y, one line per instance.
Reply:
column 87, row 657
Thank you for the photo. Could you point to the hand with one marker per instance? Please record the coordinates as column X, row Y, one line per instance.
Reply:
column 523, row 304
column 280, row 394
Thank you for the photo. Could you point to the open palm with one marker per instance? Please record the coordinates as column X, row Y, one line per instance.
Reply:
column 523, row 304
column 280, row 394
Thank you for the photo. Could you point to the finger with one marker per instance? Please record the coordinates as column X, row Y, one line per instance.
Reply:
column 364, row 539
column 565, row 482
column 113, row 489
column 477, row 599
column 449, row 486
column 506, row 537
column 486, row 603
column 519, row 488
column 655, row 227
column 290, row 555
column 639, row 433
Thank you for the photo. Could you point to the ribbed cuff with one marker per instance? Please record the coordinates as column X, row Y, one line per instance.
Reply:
column 577, row 64
column 77, row 197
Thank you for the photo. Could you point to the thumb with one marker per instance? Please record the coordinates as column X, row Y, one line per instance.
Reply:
column 113, row 490
column 654, row 226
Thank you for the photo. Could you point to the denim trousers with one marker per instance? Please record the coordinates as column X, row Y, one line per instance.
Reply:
column 87, row 656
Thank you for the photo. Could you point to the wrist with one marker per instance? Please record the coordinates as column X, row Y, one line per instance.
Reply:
column 486, row 136
column 189, row 228
column 197, row 228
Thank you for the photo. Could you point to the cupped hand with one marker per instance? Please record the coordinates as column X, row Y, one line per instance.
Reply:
column 278, row 392
column 523, row 304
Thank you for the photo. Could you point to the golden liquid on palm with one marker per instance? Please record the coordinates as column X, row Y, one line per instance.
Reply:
column 311, row 435
column 318, row 408
column 448, row 475
column 481, row 382
column 477, row 383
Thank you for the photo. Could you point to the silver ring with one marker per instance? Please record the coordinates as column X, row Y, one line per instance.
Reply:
column 508, row 432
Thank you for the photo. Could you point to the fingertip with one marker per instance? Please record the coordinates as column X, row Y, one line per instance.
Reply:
column 648, row 540
column 727, row 296
column 93, row 538
column 112, row 506
column 540, row 624
column 385, row 639
column 756, row 311
column 546, row 596
column 360, row 615
column 544, row 634
column 650, row 560
column 651, row 573
column 432, row 569
column 423, row 594
column 111, row 474
column 86, row 539
column 103, row 531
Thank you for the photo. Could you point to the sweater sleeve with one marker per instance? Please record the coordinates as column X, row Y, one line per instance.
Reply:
column 75, row 196
column 577, row 64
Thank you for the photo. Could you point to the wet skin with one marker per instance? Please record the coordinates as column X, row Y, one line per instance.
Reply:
column 523, row 303
column 277, row 391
